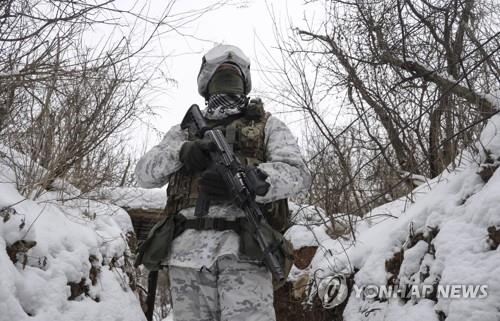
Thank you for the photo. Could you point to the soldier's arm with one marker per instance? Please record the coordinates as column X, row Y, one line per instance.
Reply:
column 287, row 172
column 156, row 166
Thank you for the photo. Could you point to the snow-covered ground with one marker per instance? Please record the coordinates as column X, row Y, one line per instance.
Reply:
column 437, row 235
column 76, row 268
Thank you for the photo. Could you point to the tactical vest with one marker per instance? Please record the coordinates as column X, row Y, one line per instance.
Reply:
column 245, row 133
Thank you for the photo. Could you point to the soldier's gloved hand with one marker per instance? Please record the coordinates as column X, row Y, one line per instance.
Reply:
column 213, row 185
column 256, row 102
column 257, row 180
column 195, row 155
column 255, row 108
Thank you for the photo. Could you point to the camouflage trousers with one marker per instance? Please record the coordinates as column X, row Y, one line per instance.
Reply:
column 229, row 290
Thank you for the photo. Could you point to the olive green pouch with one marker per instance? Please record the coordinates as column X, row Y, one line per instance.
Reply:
column 155, row 249
column 280, row 246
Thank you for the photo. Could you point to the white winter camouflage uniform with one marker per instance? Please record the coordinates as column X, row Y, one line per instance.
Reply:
column 205, row 270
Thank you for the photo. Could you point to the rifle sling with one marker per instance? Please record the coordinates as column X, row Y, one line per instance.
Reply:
column 150, row 300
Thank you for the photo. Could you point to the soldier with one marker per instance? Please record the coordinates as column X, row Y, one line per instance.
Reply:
column 210, row 278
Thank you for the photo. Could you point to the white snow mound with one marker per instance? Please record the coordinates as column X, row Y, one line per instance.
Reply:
column 78, row 242
column 440, row 237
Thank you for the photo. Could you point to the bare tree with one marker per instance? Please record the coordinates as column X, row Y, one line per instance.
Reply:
column 66, row 102
column 394, row 88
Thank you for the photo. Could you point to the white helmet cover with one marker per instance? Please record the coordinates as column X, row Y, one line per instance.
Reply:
column 217, row 56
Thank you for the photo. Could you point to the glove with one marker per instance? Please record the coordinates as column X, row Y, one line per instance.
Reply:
column 254, row 109
column 256, row 103
column 257, row 180
column 213, row 186
column 195, row 155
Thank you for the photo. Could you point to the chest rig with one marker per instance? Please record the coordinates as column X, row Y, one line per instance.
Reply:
column 245, row 134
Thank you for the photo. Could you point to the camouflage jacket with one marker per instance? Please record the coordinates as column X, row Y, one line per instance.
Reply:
column 288, row 177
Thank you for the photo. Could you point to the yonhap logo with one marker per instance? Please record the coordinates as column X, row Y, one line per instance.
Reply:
column 333, row 290
column 413, row 291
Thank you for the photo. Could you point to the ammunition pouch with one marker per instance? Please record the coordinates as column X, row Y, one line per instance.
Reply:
column 155, row 249
column 281, row 247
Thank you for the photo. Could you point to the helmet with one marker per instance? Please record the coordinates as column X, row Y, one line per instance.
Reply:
column 217, row 56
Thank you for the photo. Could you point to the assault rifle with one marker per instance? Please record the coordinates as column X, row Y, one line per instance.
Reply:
column 243, row 184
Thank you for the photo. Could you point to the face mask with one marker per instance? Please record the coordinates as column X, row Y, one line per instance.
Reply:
column 227, row 80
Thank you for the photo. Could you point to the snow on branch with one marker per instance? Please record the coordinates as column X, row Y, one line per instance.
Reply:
column 485, row 105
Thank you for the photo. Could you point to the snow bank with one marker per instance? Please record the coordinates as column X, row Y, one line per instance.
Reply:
column 78, row 254
column 309, row 227
column 439, row 237
column 135, row 197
